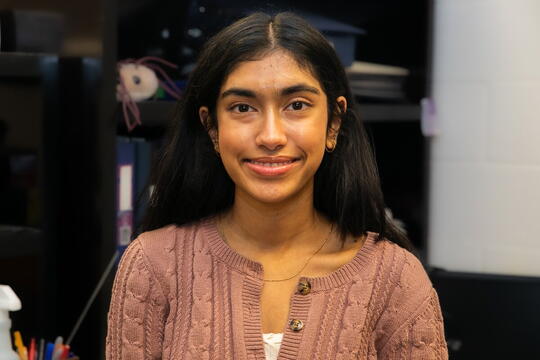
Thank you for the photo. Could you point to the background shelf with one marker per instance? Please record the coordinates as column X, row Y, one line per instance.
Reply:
column 23, row 65
column 160, row 113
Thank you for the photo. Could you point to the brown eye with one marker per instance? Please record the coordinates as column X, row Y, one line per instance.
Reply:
column 243, row 108
column 298, row 105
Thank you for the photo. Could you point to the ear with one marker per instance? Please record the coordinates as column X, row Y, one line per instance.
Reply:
column 335, row 123
column 204, row 117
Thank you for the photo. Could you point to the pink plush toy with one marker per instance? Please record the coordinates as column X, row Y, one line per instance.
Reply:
column 138, row 81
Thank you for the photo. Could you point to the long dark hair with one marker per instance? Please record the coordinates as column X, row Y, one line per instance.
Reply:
column 190, row 181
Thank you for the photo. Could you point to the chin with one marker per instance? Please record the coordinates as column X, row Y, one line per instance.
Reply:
column 275, row 194
column 271, row 197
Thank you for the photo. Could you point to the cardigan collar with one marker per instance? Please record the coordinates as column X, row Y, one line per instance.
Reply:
column 338, row 277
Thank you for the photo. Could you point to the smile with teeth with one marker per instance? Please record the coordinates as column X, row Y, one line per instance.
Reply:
column 270, row 164
column 270, row 167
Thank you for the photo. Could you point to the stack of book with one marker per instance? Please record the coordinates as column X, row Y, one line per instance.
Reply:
column 377, row 81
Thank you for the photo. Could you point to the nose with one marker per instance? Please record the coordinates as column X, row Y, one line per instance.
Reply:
column 271, row 134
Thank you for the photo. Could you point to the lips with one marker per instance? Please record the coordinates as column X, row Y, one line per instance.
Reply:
column 271, row 166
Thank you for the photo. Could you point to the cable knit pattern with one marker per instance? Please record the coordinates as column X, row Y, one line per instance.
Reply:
column 141, row 311
column 183, row 293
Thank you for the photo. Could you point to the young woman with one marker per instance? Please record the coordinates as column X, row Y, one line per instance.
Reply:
column 266, row 231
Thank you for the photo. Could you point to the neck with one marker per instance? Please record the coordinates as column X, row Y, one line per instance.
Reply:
column 274, row 228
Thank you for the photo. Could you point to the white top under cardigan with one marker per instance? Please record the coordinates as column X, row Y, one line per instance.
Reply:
column 272, row 343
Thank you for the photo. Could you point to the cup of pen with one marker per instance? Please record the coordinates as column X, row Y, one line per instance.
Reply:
column 42, row 351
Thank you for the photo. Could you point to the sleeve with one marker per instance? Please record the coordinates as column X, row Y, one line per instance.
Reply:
column 412, row 326
column 137, row 311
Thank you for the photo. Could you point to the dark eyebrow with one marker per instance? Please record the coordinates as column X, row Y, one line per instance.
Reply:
column 238, row 92
column 284, row 92
column 299, row 88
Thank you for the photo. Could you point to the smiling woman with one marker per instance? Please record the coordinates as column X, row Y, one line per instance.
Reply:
column 266, row 236
column 273, row 128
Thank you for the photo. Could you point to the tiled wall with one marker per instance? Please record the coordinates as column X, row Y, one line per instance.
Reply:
column 484, row 202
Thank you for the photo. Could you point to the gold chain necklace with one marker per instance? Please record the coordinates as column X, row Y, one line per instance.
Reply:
column 305, row 264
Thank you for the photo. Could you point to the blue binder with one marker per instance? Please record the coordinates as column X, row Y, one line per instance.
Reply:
column 125, row 186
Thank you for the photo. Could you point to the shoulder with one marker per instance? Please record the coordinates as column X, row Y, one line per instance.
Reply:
column 163, row 249
column 156, row 243
column 401, row 270
column 159, row 243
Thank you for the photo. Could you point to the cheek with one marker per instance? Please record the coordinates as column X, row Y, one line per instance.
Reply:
column 233, row 139
column 311, row 138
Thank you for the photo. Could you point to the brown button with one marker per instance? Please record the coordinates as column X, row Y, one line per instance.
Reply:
column 296, row 325
column 304, row 287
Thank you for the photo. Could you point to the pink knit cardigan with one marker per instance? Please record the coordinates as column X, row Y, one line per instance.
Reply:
column 183, row 293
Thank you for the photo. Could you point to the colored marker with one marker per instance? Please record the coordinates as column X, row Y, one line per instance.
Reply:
column 65, row 353
column 49, row 351
column 41, row 349
column 20, row 346
column 32, row 352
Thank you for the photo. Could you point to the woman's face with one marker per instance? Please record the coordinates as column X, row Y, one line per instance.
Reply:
column 272, row 128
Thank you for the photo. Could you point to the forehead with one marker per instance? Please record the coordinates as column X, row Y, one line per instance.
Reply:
column 274, row 71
